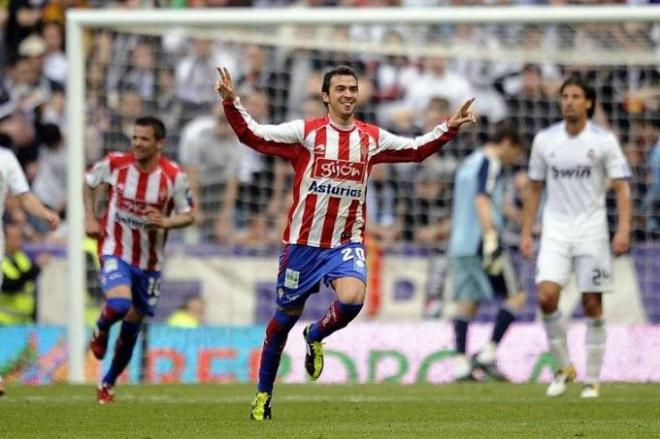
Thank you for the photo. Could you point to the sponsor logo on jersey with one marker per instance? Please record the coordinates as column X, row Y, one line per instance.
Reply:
column 330, row 189
column 341, row 170
column 578, row 172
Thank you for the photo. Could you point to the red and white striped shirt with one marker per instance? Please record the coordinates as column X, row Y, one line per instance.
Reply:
column 132, row 192
column 331, row 166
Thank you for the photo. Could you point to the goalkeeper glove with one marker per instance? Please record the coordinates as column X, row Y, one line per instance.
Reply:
column 493, row 258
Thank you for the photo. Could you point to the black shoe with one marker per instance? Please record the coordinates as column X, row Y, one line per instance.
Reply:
column 490, row 370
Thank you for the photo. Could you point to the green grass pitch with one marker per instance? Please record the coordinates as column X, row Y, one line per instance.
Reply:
column 332, row 411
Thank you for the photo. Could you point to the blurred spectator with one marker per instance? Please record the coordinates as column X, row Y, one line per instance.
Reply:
column 24, row 18
column 49, row 184
column 530, row 108
column 210, row 154
column 119, row 132
column 18, row 302
column 189, row 315
column 260, row 75
column 256, row 172
column 427, row 211
column 55, row 64
column 140, row 74
column 195, row 79
column 436, row 80
column 383, row 225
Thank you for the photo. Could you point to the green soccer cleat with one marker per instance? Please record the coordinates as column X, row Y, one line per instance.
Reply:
column 314, row 356
column 261, row 409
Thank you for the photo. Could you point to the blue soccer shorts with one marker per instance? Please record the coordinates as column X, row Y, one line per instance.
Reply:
column 302, row 268
column 144, row 285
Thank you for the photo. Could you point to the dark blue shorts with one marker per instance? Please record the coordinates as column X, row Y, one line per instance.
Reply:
column 144, row 285
column 302, row 268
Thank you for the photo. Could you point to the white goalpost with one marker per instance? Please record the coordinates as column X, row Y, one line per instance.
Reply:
column 79, row 22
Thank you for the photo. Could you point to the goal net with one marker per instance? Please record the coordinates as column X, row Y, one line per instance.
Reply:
column 415, row 67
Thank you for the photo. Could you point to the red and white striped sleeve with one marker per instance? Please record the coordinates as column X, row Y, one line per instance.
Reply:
column 392, row 148
column 279, row 140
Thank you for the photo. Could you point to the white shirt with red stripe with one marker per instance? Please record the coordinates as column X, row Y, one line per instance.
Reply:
column 132, row 191
column 331, row 165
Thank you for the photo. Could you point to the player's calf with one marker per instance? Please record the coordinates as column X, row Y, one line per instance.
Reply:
column 99, row 343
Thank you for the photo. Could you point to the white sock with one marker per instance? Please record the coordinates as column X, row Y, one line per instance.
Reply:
column 595, row 340
column 556, row 333
column 462, row 366
column 488, row 354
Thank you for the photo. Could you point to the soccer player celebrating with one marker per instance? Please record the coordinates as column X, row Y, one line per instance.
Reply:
column 148, row 195
column 12, row 180
column 574, row 159
column 323, row 239
column 480, row 267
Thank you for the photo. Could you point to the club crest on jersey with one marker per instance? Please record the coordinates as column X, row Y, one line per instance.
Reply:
column 591, row 155
column 341, row 170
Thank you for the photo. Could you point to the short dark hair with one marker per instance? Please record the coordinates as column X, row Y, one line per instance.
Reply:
column 155, row 123
column 336, row 71
column 589, row 91
column 505, row 131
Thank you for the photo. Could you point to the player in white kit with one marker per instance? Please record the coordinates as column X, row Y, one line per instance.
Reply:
column 12, row 180
column 574, row 159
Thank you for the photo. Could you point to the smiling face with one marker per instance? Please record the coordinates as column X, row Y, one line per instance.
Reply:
column 341, row 98
column 145, row 144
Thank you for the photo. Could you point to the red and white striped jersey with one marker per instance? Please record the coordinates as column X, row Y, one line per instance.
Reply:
column 132, row 192
column 331, row 165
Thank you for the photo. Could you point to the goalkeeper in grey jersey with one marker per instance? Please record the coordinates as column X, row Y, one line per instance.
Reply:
column 480, row 269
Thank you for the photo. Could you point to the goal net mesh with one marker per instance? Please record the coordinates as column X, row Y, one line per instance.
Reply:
column 410, row 77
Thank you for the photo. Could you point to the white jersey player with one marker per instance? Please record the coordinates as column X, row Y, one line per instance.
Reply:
column 574, row 160
column 12, row 180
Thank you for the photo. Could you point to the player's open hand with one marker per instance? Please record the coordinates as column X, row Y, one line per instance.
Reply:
column 463, row 115
column 224, row 85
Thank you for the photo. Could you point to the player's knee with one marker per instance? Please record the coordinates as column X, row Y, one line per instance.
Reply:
column 592, row 305
column 548, row 299
column 291, row 312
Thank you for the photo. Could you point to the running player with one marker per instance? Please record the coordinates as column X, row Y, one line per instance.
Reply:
column 323, row 239
column 148, row 195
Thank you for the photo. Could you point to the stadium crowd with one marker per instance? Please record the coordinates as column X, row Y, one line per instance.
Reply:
column 243, row 195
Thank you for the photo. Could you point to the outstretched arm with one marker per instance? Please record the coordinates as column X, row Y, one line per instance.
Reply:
column 403, row 149
column 279, row 140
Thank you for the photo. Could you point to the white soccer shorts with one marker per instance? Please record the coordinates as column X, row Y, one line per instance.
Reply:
column 590, row 260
